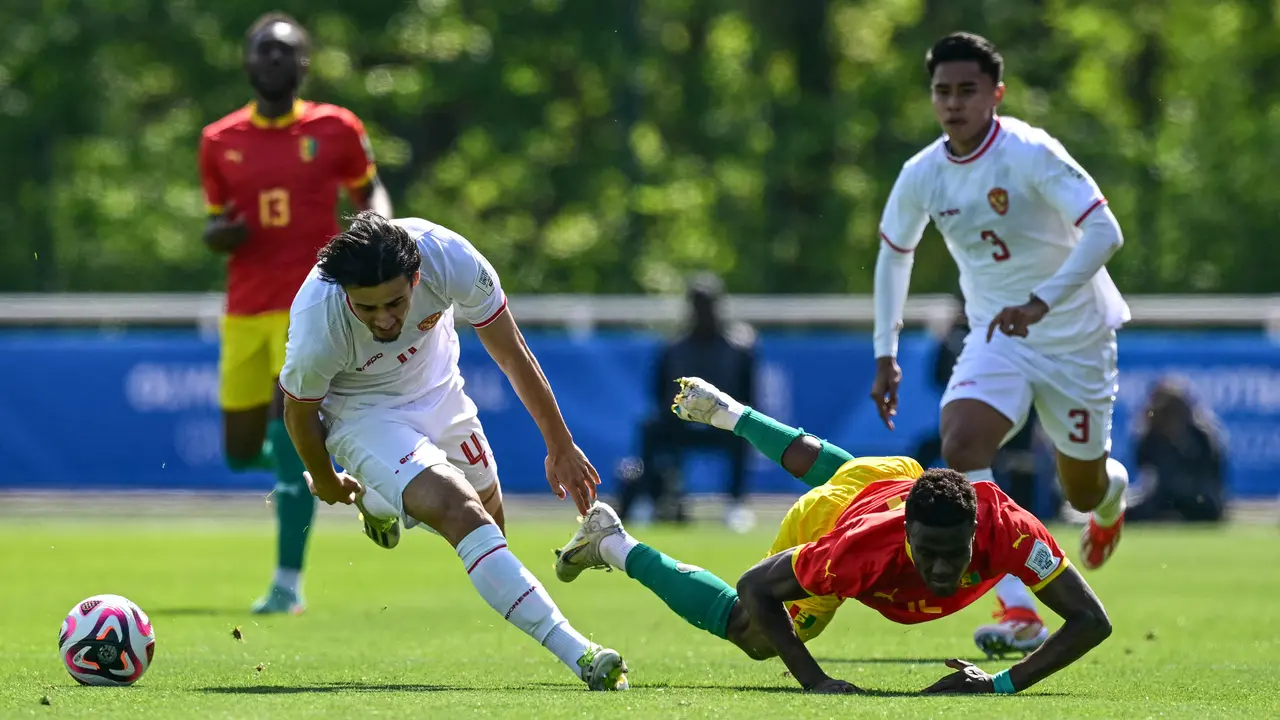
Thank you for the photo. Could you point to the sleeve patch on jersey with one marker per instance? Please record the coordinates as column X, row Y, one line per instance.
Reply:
column 484, row 282
column 1042, row 561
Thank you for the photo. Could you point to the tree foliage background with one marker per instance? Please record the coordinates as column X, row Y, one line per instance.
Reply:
column 591, row 146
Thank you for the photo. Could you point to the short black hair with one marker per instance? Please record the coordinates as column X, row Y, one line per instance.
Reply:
column 372, row 251
column 942, row 498
column 270, row 19
column 962, row 47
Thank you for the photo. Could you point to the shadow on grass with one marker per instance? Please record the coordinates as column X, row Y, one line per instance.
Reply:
column 334, row 687
column 942, row 661
column 177, row 612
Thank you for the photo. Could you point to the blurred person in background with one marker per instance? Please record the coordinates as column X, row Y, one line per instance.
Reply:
column 1180, row 459
column 271, row 173
column 724, row 353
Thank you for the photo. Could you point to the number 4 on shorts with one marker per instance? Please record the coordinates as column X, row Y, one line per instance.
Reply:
column 478, row 455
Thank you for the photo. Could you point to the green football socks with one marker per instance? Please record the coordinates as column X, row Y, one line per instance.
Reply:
column 691, row 592
column 772, row 438
column 295, row 506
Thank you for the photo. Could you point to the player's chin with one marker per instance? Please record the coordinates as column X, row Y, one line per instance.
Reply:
column 944, row 589
column 386, row 337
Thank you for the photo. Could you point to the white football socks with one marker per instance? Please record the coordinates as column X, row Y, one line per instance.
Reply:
column 515, row 593
column 288, row 579
column 979, row 475
column 1112, row 505
column 614, row 549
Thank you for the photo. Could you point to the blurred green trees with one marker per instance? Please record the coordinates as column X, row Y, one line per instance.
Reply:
column 612, row 146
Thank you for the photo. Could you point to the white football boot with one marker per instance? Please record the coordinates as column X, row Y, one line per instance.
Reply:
column 582, row 552
column 700, row 401
column 383, row 528
column 1019, row 630
column 603, row 669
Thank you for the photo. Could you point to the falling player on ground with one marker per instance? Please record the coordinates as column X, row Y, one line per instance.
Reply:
column 914, row 545
column 1031, row 234
column 271, row 173
column 371, row 377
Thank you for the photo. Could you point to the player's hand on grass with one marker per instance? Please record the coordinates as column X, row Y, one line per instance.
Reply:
column 226, row 231
column 337, row 488
column 569, row 472
column 967, row 678
column 884, row 391
column 832, row 686
column 1014, row 321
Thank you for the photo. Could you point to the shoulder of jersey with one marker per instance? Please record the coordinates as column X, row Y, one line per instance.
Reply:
column 931, row 152
column 319, row 112
column 314, row 291
column 226, row 122
column 1022, row 134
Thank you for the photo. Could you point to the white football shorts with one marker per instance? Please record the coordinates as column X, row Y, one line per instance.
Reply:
column 1074, row 393
column 387, row 447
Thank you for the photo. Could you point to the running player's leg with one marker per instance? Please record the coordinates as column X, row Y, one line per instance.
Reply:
column 808, row 458
column 293, row 502
column 986, row 402
column 1075, row 399
column 404, row 472
column 244, row 393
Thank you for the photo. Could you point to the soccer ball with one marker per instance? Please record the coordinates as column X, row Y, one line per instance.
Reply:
column 107, row 640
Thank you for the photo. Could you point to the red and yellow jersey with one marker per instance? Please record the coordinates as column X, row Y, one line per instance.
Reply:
column 282, row 175
column 867, row 557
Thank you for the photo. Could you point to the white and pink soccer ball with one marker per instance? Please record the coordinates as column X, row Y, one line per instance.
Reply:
column 107, row 640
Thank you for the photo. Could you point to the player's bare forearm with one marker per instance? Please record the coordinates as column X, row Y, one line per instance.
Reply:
column 302, row 419
column 506, row 345
column 1085, row 626
column 762, row 590
column 373, row 196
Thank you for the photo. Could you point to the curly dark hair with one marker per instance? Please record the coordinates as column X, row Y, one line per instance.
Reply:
column 274, row 17
column 942, row 498
column 963, row 46
column 372, row 251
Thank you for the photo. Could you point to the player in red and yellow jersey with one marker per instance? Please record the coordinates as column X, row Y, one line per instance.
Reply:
column 271, row 173
column 914, row 545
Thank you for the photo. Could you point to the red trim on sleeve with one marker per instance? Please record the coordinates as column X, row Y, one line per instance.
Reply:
column 1096, row 204
column 295, row 398
column 492, row 317
column 889, row 242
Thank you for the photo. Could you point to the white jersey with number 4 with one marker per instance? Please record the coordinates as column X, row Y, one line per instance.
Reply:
column 1010, row 214
column 332, row 358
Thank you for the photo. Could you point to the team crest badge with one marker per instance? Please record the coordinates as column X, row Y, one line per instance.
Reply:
column 999, row 200
column 234, row 156
column 307, row 148
column 429, row 322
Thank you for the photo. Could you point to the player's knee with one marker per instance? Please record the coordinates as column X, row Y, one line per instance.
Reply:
column 748, row 639
column 441, row 497
column 965, row 449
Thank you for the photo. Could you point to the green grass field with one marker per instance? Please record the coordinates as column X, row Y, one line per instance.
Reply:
column 390, row 634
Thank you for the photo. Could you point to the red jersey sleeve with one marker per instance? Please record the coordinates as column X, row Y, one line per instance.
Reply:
column 355, row 166
column 1024, row 547
column 215, row 190
column 844, row 562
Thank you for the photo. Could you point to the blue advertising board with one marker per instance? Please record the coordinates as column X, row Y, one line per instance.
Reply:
column 138, row 409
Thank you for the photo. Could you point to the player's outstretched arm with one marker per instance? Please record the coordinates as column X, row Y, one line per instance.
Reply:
column 1086, row 626
column 809, row 459
column 568, row 469
column 762, row 590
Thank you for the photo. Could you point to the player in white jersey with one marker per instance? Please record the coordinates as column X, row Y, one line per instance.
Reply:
column 1031, row 234
column 371, row 377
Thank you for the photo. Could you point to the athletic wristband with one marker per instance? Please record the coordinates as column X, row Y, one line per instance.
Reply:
column 1003, row 684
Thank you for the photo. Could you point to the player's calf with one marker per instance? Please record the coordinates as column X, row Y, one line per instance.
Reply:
column 441, row 497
